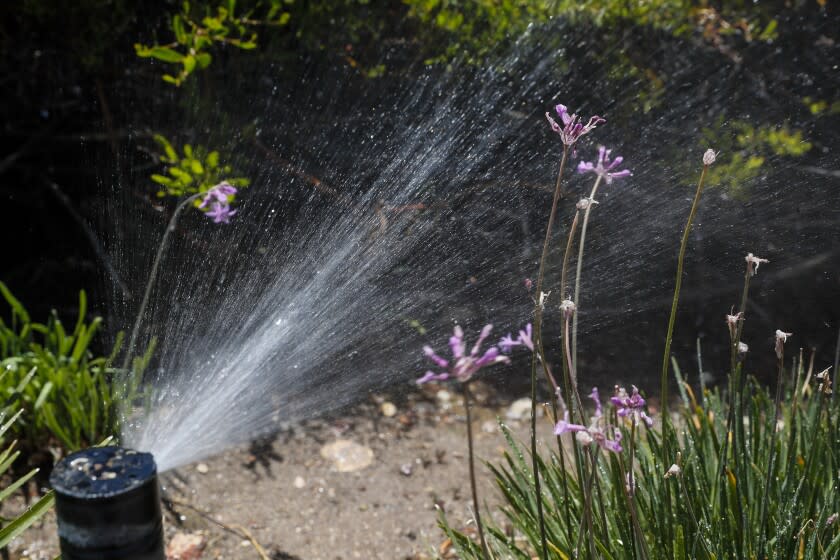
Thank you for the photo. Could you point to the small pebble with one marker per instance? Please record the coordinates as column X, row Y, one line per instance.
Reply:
column 202, row 468
column 406, row 469
column 347, row 456
column 520, row 409
column 299, row 482
column 388, row 409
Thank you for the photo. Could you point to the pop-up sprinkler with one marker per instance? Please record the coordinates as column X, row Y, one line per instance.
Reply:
column 107, row 502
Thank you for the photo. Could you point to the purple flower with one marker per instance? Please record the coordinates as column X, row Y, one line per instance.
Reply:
column 596, row 397
column 599, row 436
column 572, row 128
column 220, row 213
column 507, row 343
column 462, row 366
column 597, row 430
column 630, row 405
column 604, row 167
column 565, row 427
column 217, row 199
column 220, row 193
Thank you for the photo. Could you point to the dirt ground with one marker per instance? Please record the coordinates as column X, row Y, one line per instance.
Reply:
column 283, row 494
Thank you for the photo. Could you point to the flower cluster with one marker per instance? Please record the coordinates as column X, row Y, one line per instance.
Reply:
column 216, row 203
column 462, row 366
column 626, row 405
column 630, row 405
column 596, row 431
column 573, row 128
column 507, row 343
column 604, row 167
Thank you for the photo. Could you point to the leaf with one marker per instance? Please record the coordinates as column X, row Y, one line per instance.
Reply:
column 212, row 160
column 161, row 180
column 180, row 175
column 171, row 79
column 13, row 302
column 189, row 64
column 45, row 392
column 22, row 522
column 203, row 59
column 7, row 491
column 166, row 54
column 178, row 28
column 142, row 50
column 171, row 154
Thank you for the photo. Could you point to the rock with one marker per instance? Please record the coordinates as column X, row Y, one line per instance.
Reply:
column 388, row 409
column 520, row 409
column 185, row 546
column 406, row 469
column 202, row 468
column 299, row 482
column 489, row 426
column 347, row 456
column 444, row 397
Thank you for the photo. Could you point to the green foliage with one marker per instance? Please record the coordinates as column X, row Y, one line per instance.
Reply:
column 744, row 153
column 66, row 393
column 196, row 171
column 14, row 527
column 475, row 28
column 695, row 513
column 198, row 30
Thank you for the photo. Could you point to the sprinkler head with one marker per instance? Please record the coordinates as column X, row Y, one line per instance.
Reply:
column 107, row 503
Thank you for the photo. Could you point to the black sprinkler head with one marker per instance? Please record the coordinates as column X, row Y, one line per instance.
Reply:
column 107, row 502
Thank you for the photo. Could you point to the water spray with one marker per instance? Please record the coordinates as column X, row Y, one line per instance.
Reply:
column 107, row 502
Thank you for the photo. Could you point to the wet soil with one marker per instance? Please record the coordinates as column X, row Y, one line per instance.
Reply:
column 282, row 494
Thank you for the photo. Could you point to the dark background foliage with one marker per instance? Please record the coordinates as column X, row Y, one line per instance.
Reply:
column 79, row 109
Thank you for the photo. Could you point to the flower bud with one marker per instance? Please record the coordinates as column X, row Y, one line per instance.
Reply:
column 709, row 157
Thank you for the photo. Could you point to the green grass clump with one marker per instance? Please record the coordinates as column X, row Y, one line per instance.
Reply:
column 11, row 528
column 66, row 393
column 708, row 507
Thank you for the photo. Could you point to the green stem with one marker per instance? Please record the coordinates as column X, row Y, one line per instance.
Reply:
column 666, row 359
column 170, row 227
column 587, row 505
column 630, row 493
column 573, row 401
column 578, row 273
column 537, row 340
column 473, row 487
column 771, row 461
column 734, row 385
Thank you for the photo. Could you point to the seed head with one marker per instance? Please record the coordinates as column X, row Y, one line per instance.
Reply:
column 781, row 338
column 567, row 306
column 753, row 261
column 709, row 157
column 732, row 323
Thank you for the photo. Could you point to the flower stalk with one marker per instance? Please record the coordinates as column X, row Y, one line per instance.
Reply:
column 538, row 312
column 164, row 244
column 708, row 160
column 473, row 486
column 781, row 338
